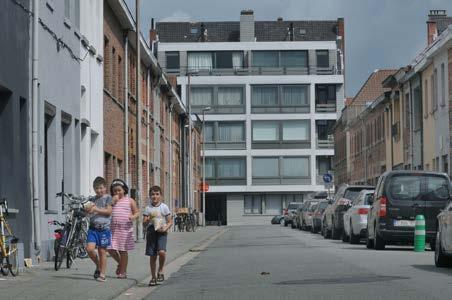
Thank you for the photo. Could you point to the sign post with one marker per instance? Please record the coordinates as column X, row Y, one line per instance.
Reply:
column 328, row 182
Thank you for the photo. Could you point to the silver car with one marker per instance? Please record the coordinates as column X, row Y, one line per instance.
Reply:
column 355, row 218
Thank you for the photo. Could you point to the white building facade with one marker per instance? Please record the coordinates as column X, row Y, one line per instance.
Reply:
column 274, row 90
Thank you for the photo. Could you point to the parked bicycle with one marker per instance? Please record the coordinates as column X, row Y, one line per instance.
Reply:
column 9, row 260
column 185, row 221
column 70, row 238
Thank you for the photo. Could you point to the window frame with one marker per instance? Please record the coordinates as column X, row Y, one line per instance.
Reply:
column 319, row 53
column 217, row 180
column 281, row 179
column 280, row 142
column 216, row 143
column 279, row 107
column 172, row 54
column 215, row 107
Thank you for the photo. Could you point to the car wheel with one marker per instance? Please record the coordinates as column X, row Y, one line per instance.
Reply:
column 335, row 233
column 285, row 223
column 354, row 239
column 379, row 241
column 345, row 237
column 369, row 241
column 441, row 259
column 433, row 245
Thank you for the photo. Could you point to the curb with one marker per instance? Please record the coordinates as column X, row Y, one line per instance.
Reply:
column 141, row 289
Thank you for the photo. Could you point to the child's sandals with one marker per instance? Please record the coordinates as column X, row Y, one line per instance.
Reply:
column 122, row 276
column 153, row 282
column 101, row 278
column 160, row 277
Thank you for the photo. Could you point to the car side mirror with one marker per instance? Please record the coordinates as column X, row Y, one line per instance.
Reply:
column 371, row 200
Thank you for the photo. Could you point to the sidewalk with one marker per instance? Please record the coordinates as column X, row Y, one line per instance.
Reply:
column 43, row 282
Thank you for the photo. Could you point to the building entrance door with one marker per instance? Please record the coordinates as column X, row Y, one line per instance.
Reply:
column 216, row 209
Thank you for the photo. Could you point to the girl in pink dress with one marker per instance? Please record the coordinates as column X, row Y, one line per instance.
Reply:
column 124, row 212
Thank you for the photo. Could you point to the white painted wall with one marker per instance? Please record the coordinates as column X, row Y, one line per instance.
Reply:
column 91, row 27
column 236, row 216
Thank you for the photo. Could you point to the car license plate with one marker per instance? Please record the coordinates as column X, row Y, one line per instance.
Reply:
column 404, row 223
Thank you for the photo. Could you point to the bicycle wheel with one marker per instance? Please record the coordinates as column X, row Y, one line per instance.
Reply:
column 12, row 260
column 60, row 252
column 3, row 270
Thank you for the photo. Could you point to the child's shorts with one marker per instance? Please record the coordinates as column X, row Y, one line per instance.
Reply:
column 155, row 241
column 102, row 238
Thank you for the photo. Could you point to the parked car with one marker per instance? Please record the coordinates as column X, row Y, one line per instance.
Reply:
column 355, row 219
column 277, row 219
column 333, row 219
column 443, row 247
column 398, row 198
column 316, row 220
column 305, row 214
column 291, row 212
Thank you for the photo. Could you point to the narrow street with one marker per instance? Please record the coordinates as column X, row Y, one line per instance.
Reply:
column 273, row 262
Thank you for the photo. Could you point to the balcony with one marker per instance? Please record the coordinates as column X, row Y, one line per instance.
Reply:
column 325, row 108
column 247, row 71
column 325, row 143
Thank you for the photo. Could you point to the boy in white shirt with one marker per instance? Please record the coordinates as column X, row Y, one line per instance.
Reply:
column 157, row 219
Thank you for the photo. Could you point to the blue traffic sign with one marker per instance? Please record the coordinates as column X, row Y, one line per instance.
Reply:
column 327, row 178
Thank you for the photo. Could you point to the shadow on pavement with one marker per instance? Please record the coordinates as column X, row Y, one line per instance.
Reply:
column 433, row 268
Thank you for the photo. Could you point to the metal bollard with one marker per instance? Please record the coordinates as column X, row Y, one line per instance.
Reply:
column 419, row 234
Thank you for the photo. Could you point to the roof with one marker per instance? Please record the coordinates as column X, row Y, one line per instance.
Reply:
column 441, row 19
column 181, row 32
column 373, row 87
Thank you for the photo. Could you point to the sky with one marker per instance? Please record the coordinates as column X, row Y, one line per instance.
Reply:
column 379, row 34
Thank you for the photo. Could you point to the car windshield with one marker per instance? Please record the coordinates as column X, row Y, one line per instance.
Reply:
column 323, row 205
column 352, row 193
column 312, row 206
column 418, row 187
column 293, row 206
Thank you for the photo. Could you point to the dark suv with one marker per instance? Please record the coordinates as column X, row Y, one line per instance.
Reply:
column 333, row 218
column 398, row 198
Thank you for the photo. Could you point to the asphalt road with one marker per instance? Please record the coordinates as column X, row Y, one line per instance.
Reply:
column 273, row 262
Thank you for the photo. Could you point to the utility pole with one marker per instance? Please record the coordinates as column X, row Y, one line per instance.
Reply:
column 190, row 167
column 204, row 165
column 138, row 124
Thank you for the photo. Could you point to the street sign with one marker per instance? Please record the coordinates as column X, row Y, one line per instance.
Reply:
column 204, row 187
column 327, row 178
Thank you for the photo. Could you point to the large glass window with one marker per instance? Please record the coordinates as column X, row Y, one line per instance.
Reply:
column 230, row 132
column 253, row 204
column 323, row 58
column 294, row 59
column 295, row 167
column 231, row 167
column 296, row 130
column 230, row 96
column 223, row 59
column 265, row 131
column 265, row 59
column 273, row 204
column 265, row 96
column 172, row 60
column 209, row 131
column 294, row 95
column 325, row 93
column 266, row 167
column 210, row 168
column 200, row 61
column 201, row 96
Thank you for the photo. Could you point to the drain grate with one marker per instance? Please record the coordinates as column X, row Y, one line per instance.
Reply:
column 343, row 280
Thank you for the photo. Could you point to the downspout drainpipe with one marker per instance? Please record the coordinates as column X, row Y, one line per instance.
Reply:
column 170, row 164
column 126, row 108
column 148, row 125
column 35, row 116
column 411, row 112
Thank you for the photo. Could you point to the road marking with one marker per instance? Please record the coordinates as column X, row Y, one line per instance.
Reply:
column 142, row 290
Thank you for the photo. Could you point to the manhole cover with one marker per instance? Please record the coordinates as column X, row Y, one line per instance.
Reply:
column 342, row 280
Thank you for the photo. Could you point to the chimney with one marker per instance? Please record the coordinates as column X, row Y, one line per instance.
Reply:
column 153, row 37
column 280, row 19
column 247, row 26
column 432, row 29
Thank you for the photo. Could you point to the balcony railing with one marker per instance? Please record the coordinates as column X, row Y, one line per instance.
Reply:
column 325, row 108
column 327, row 143
column 246, row 71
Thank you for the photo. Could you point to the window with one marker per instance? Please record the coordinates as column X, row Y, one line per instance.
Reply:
column 275, row 59
column 426, row 99
column 230, row 167
column 230, row 96
column 224, row 60
column 266, row 167
column 210, row 167
column 67, row 8
column 445, row 168
column 172, row 60
column 443, row 85
column 265, row 131
column 294, row 59
column 280, row 167
column 209, row 132
column 265, row 96
column 230, row 132
column 283, row 98
column 295, row 167
column 194, row 30
column 273, row 204
column 294, row 95
column 265, row 59
column 417, row 103
column 325, row 93
column 200, row 61
column 201, row 96
column 225, row 135
column 296, row 130
column 253, row 204
column 323, row 58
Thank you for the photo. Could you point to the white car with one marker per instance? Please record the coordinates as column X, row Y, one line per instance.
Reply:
column 355, row 218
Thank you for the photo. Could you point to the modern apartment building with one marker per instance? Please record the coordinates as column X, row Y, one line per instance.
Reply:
column 271, row 92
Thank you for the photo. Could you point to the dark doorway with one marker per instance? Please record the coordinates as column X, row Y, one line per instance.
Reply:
column 216, row 209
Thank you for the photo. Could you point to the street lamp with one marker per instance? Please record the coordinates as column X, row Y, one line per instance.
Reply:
column 207, row 108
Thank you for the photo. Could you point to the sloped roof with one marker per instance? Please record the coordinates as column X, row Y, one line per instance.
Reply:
column 373, row 87
column 180, row 32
